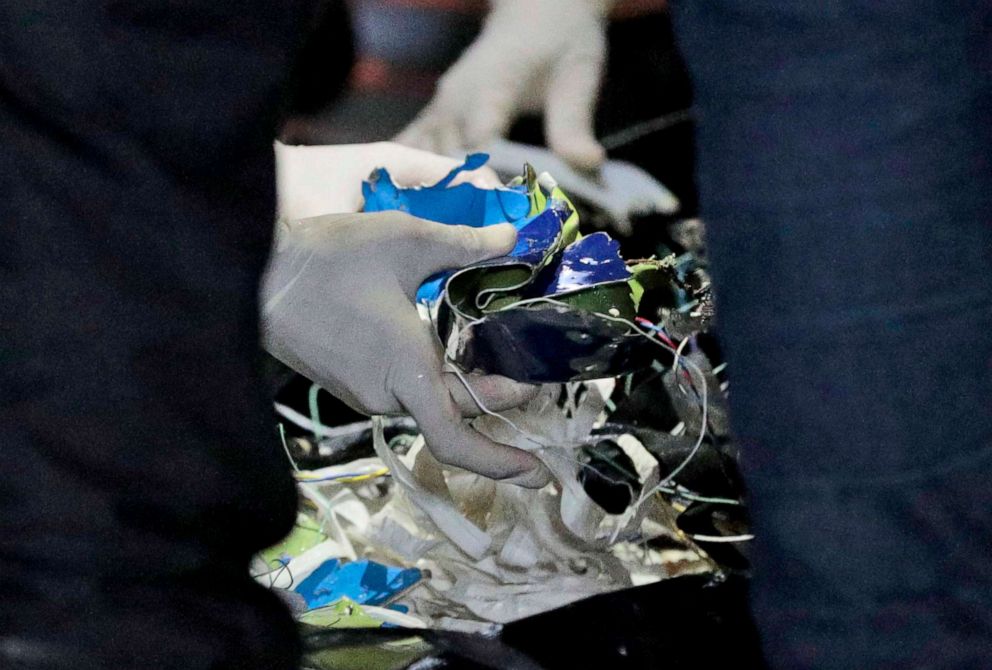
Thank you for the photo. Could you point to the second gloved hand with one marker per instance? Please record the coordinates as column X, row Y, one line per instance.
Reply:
column 337, row 306
column 532, row 55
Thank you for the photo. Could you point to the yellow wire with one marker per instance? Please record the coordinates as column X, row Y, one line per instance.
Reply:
column 306, row 477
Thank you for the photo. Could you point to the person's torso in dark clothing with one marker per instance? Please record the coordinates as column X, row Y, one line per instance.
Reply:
column 138, row 468
column 845, row 172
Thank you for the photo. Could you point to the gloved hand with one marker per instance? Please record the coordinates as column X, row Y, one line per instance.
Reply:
column 337, row 306
column 531, row 55
column 327, row 179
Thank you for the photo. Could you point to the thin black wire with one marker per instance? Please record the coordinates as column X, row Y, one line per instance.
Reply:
column 645, row 128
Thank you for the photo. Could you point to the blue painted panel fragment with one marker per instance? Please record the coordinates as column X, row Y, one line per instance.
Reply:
column 464, row 204
column 430, row 290
column 593, row 260
column 365, row 582
column 537, row 237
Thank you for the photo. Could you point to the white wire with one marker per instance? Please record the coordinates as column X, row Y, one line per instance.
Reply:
column 689, row 495
column 690, row 365
column 478, row 401
column 644, row 128
column 451, row 367
column 303, row 421
column 285, row 447
column 661, row 487
column 461, row 377
column 722, row 538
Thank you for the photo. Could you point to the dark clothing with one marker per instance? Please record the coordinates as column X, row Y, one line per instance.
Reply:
column 845, row 174
column 845, row 168
column 139, row 468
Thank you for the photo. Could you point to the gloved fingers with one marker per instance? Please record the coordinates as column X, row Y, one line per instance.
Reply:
column 450, row 141
column 437, row 129
column 485, row 125
column 458, row 246
column 475, row 102
column 420, row 133
column 494, row 392
column 484, row 177
column 491, row 113
column 570, row 105
column 441, row 247
column 453, row 442
column 414, row 167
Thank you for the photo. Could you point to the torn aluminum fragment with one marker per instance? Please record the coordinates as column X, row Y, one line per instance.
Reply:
column 550, row 343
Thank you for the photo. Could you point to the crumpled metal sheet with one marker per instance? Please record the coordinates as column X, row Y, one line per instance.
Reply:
column 549, row 344
column 543, row 342
column 475, row 308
